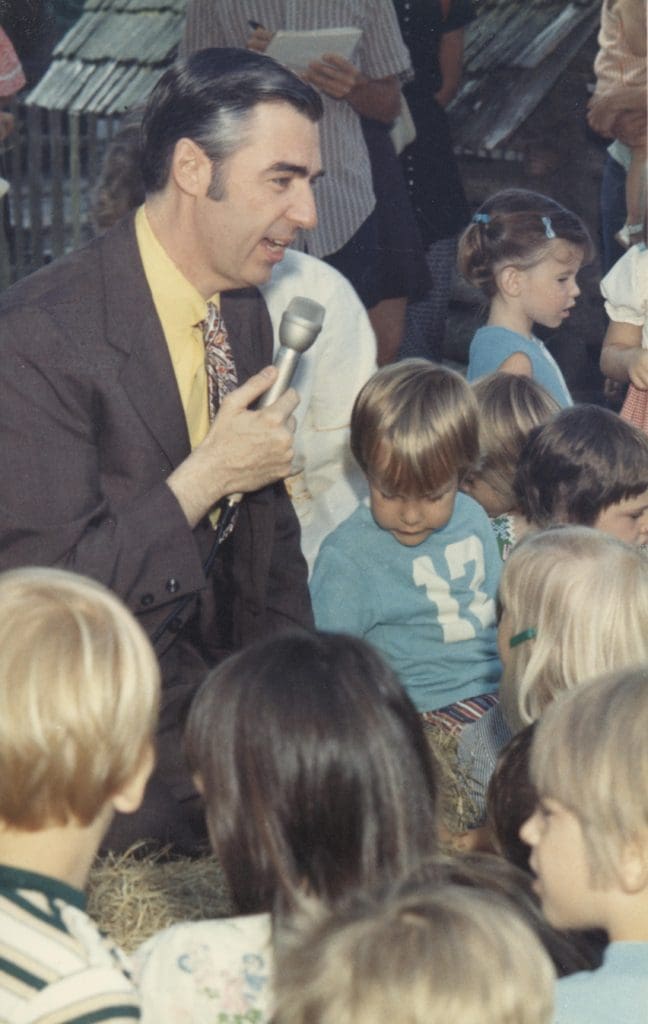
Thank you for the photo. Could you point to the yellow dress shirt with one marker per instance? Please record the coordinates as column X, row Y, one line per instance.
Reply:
column 181, row 308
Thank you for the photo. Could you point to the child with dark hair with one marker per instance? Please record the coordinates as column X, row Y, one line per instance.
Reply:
column 586, row 466
column 416, row 572
column 511, row 798
column 523, row 251
column 318, row 782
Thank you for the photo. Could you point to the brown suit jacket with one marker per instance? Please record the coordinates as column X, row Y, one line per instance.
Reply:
column 91, row 425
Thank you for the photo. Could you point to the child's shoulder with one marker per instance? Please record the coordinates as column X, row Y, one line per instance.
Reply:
column 615, row 991
column 490, row 346
column 200, row 969
column 469, row 514
column 350, row 531
column 251, row 933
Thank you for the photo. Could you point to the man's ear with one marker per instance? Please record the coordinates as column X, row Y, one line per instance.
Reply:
column 130, row 796
column 633, row 868
column 191, row 168
column 509, row 281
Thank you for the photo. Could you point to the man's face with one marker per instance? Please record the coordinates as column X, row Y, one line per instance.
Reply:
column 267, row 197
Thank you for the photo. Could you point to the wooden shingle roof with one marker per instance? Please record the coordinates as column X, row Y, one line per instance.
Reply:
column 112, row 56
column 515, row 51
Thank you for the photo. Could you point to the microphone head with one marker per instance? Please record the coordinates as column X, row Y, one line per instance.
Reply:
column 301, row 323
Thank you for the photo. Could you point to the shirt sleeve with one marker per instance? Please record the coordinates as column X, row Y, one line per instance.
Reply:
column 488, row 350
column 625, row 288
column 342, row 595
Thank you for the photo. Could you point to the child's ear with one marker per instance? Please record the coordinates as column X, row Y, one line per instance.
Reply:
column 508, row 281
column 130, row 796
column 633, row 872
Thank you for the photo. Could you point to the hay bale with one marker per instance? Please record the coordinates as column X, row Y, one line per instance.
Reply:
column 457, row 806
column 133, row 896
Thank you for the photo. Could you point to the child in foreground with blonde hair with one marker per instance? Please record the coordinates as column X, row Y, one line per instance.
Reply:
column 509, row 407
column 79, row 690
column 589, row 839
column 440, row 955
column 574, row 604
column 416, row 572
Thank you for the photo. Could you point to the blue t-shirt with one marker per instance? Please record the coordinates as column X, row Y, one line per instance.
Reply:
column 616, row 993
column 429, row 609
column 491, row 346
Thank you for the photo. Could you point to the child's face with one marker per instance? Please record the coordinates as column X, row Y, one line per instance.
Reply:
column 411, row 520
column 491, row 500
column 559, row 862
column 548, row 291
column 626, row 520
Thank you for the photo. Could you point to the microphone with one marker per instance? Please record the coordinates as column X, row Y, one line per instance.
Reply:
column 300, row 324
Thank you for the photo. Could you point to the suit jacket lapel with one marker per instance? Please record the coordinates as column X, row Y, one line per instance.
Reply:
column 133, row 326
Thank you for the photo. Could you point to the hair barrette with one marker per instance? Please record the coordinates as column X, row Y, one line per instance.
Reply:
column 549, row 231
column 520, row 638
column 481, row 218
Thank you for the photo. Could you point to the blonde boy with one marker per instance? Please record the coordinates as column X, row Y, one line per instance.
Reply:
column 442, row 955
column 79, row 689
column 589, row 839
column 415, row 573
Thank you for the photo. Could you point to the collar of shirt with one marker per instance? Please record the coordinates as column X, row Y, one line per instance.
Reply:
column 181, row 308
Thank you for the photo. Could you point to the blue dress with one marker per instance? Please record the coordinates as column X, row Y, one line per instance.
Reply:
column 491, row 346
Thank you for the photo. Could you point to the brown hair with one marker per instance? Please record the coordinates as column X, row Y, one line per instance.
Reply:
column 316, row 771
column 509, row 407
column 577, row 465
column 516, row 227
column 414, row 425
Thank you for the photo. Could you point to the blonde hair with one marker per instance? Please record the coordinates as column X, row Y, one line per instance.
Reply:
column 439, row 955
column 414, row 425
column 590, row 754
column 585, row 594
column 508, row 407
column 79, row 691
column 516, row 227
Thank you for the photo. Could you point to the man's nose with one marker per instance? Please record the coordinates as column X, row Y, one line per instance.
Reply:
column 303, row 212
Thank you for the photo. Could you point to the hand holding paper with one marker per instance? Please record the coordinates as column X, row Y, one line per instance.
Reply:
column 333, row 75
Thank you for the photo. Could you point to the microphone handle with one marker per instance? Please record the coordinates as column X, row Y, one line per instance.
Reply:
column 286, row 364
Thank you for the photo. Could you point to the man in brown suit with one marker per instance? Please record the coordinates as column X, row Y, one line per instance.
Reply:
column 108, row 461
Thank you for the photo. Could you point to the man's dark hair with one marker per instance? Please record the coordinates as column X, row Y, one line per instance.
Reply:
column 208, row 98
column 578, row 464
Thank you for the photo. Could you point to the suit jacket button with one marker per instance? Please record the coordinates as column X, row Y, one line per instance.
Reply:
column 173, row 585
column 146, row 599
